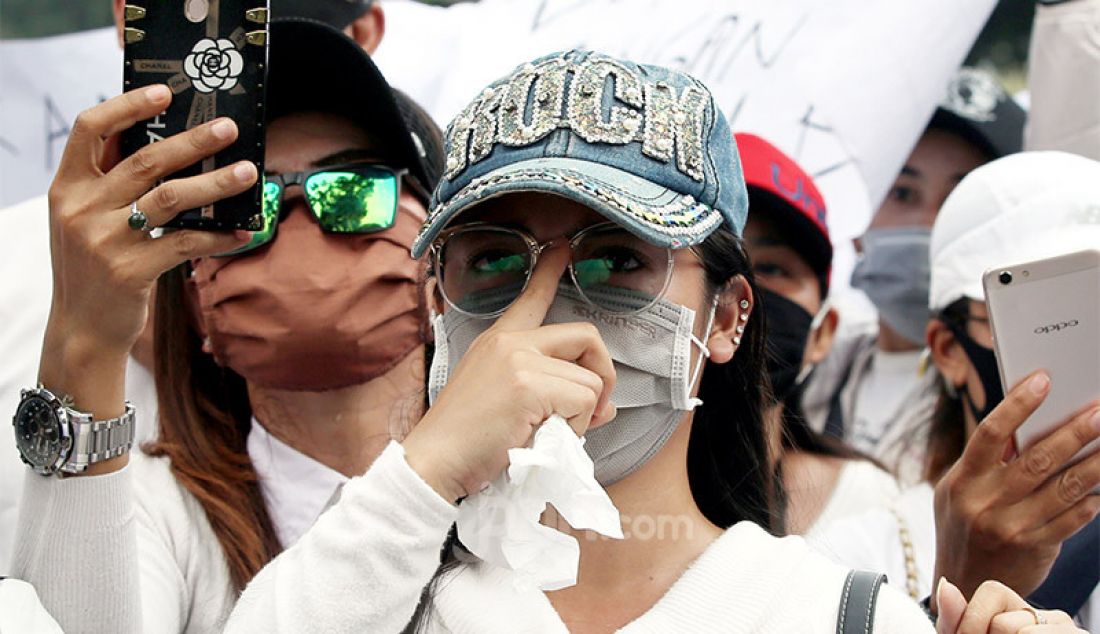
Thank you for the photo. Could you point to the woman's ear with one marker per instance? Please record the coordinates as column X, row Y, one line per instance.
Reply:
column 367, row 30
column 731, row 315
column 947, row 354
column 821, row 340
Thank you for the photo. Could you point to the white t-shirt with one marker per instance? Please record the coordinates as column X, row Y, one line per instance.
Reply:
column 886, row 385
column 873, row 540
column 861, row 487
column 296, row 488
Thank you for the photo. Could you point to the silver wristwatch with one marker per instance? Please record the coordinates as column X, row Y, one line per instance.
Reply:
column 54, row 438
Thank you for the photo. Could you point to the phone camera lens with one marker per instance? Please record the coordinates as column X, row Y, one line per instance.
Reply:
column 1005, row 277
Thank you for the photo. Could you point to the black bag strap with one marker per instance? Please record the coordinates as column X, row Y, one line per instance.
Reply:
column 857, row 602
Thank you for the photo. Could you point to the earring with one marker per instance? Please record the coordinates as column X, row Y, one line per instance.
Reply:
column 744, row 305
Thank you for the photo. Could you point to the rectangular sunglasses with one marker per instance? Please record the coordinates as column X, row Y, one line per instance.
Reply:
column 360, row 198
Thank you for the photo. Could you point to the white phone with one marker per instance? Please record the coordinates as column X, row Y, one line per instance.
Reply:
column 1045, row 315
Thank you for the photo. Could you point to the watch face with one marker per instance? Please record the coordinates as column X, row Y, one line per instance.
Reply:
column 38, row 432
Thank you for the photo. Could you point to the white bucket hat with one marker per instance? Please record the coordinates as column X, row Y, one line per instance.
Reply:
column 1018, row 208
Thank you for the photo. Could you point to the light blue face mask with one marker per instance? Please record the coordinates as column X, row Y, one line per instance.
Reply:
column 894, row 272
column 651, row 351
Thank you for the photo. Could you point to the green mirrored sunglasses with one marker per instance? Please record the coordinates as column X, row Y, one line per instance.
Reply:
column 346, row 199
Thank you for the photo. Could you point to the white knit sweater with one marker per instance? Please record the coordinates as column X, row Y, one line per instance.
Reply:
column 132, row 551
column 746, row 581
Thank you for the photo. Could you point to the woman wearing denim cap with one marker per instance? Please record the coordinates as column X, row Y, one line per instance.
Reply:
column 605, row 199
column 586, row 245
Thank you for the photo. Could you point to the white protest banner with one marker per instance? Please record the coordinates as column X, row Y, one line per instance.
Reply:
column 45, row 83
column 845, row 87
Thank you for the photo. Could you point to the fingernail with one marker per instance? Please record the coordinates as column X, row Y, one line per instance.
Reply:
column 157, row 94
column 609, row 412
column 242, row 235
column 1039, row 384
column 941, row 623
column 1095, row 420
column 222, row 129
column 244, row 171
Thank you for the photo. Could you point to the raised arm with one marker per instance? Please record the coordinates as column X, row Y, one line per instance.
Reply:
column 78, row 538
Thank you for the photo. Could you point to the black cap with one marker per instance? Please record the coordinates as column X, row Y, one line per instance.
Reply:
column 337, row 13
column 978, row 109
column 313, row 67
column 426, row 136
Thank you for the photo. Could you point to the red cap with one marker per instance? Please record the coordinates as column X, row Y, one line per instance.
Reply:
column 779, row 187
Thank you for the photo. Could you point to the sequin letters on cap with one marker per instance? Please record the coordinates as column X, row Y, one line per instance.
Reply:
column 669, row 125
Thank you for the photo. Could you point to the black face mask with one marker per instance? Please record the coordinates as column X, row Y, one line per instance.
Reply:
column 788, row 329
column 985, row 364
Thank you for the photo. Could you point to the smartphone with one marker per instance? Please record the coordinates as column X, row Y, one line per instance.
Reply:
column 212, row 54
column 1045, row 314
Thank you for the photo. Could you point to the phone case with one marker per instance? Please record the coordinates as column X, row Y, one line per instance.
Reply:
column 1045, row 314
column 212, row 54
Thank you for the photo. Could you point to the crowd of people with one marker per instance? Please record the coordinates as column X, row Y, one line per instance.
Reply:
column 588, row 241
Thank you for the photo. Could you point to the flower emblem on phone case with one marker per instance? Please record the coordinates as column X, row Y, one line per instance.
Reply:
column 213, row 65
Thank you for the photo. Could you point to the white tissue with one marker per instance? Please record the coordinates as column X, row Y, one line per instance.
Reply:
column 501, row 525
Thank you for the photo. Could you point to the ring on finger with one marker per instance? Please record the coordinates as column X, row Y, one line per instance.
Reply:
column 138, row 221
column 1040, row 618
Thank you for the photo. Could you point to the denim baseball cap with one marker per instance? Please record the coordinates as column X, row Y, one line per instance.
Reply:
column 645, row 146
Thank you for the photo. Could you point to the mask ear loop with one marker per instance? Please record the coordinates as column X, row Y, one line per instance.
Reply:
column 693, row 402
column 440, row 371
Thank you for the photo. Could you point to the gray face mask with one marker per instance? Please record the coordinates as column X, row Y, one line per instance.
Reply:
column 894, row 272
column 651, row 351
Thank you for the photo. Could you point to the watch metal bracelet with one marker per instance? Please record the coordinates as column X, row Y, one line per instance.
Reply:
column 98, row 440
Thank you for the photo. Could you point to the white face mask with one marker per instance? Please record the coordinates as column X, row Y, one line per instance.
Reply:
column 651, row 351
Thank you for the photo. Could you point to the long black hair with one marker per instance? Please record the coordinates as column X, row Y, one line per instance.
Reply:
column 728, row 462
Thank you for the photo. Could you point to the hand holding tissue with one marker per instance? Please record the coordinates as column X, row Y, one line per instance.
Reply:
column 500, row 524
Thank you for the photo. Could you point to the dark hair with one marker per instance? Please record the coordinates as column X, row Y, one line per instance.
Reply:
column 728, row 462
column 947, row 433
column 204, row 420
column 799, row 436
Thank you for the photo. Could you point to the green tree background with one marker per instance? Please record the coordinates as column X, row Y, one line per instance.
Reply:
column 1001, row 46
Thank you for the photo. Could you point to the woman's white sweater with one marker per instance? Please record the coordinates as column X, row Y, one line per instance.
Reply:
column 133, row 552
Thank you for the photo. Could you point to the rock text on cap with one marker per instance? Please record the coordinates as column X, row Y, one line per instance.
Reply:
column 670, row 125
